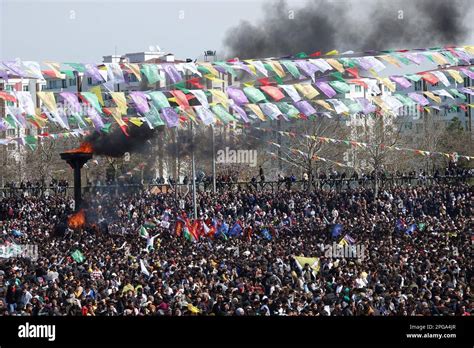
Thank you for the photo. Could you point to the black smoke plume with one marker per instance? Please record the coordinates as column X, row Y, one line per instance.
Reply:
column 116, row 143
column 350, row 25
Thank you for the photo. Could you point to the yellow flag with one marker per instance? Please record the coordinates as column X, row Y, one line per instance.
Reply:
column 312, row 261
column 307, row 90
column 332, row 53
column 433, row 97
column 135, row 69
column 219, row 97
column 213, row 78
column 389, row 84
column 117, row 115
column 469, row 49
column 427, row 109
column 455, row 75
column 98, row 92
column 336, row 65
column 120, row 101
column 39, row 120
column 48, row 100
column 439, row 58
column 209, row 67
column 249, row 84
column 390, row 60
column 374, row 73
column 278, row 68
column 256, row 110
column 136, row 121
column 324, row 104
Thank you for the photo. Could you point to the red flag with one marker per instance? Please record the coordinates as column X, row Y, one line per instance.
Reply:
column 179, row 228
column 429, row 77
column 354, row 72
column 193, row 229
column 180, row 98
column 264, row 81
column 315, row 54
column 273, row 92
column 7, row 97
column 195, row 82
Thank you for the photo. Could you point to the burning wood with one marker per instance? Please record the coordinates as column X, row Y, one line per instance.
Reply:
column 84, row 148
column 77, row 220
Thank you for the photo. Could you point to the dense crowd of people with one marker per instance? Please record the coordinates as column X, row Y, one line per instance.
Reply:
column 416, row 259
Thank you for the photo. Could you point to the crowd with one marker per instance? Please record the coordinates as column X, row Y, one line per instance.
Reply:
column 423, row 270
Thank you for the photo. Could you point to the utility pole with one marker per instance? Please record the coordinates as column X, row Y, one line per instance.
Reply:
column 214, row 188
column 193, row 169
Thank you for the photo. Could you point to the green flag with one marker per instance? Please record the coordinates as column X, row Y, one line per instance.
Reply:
column 143, row 232
column 153, row 116
column 339, row 86
column 254, row 94
column 78, row 256
column 31, row 141
column 159, row 100
column 222, row 113
column 151, row 72
column 291, row 67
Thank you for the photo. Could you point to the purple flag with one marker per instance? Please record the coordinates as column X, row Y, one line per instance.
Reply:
column 172, row 72
column 4, row 75
column 95, row 117
column 3, row 125
column 308, row 68
column 367, row 106
column 73, row 101
column 243, row 67
column 140, row 101
column 241, row 112
column 15, row 67
column 463, row 56
column 418, row 98
column 237, row 95
column 403, row 82
column 415, row 58
column 170, row 116
column 93, row 71
column 466, row 90
column 304, row 107
column 468, row 73
column 364, row 63
column 326, row 89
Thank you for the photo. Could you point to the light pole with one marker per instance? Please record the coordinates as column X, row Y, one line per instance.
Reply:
column 214, row 189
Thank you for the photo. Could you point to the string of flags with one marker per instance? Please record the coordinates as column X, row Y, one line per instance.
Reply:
column 157, row 109
column 295, row 66
column 359, row 144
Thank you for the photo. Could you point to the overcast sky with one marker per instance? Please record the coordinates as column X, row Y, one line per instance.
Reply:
column 64, row 30
column 86, row 30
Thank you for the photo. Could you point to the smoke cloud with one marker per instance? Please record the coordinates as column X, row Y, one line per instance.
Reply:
column 116, row 143
column 348, row 25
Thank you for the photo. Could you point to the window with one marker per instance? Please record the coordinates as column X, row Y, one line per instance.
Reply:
column 89, row 81
column 72, row 82
column 63, row 83
column 11, row 132
column 418, row 85
column 358, row 88
column 26, row 88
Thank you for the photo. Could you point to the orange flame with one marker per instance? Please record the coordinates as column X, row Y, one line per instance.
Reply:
column 77, row 220
column 84, row 148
